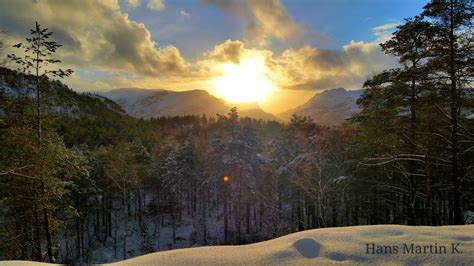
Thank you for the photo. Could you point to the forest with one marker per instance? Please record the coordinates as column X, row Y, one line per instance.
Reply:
column 83, row 182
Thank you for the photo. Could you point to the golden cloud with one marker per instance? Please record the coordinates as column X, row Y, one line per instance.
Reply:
column 156, row 5
column 102, row 37
column 311, row 68
column 99, row 36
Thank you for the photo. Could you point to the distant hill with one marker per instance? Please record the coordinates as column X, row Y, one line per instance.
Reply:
column 253, row 110
column 59, row 98
column 330, row 107
column 148, row 103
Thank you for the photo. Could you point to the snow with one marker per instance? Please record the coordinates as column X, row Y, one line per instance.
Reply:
column 155, row 103
column 327, row 246
column 282, row 170
column 22, row 263
column 347, row 245
column 470, row 217
column 329, row 107
column 339, row 179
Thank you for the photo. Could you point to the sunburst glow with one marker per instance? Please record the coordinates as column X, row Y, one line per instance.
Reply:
column 248, row 81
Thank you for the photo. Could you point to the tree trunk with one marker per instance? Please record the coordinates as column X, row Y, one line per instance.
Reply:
column 203, row 209
column 78, row 236
column 139, row 207
column 226, row 217
column 46, row 228
column 454, row 95
column 299, row 211
column 174, row 227
column 238, row 217
column 411, row 172
column 37, row 239
column 247, row 215
column 125, row 199
column 115, row 240
column 38, row 125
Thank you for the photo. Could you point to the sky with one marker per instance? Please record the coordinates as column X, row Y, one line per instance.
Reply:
column 296, row 48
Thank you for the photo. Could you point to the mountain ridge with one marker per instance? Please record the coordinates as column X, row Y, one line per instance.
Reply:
column 329, row 107
column 57, row 96
column 148, row 103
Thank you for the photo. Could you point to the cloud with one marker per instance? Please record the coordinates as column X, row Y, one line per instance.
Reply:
column 185, row 14
column 208, row 66
column 133, row 3
column 387, row 26
column 384, row 32
column 303, row 70
column 156, row 5
column 264, row 20
column 310, row 68
column 111, row 4
column 98, row 36
column 228, row 51
column 102, row 38
column 307, row 68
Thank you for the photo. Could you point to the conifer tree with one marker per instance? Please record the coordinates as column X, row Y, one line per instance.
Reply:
column 36, row 60
column 405, row 87
column 452, row 62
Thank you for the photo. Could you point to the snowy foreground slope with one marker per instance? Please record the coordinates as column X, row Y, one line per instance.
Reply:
column 333, row 245
column 343, row 245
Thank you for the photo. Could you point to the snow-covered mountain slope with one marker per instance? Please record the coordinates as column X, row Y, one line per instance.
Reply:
column 155, row 103
column 346, row 245
column 57, row 96
column 330, row 107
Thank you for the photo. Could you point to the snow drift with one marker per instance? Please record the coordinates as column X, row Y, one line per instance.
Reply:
column 346, row 245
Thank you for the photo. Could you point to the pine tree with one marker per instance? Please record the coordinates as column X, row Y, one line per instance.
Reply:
column 406, row 88
column 453, row 45
column 36, row 60
column 398, row 128
column 38, row 51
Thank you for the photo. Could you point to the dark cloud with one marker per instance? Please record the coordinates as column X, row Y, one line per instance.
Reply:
column 311, row 68
column 264, row 19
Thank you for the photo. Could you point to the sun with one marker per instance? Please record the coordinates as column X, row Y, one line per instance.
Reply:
column 248, row 81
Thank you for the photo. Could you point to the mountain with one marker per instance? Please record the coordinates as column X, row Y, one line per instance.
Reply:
column 330, row 107
column 154, row 103
column 253, row 110
column 148, row 103
column 60, row 98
